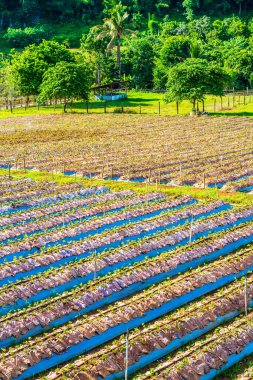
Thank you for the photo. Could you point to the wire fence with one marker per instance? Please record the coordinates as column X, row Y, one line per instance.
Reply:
column 228, row 102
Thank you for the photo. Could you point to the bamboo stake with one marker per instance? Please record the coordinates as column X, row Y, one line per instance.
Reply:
column 246, row 295
column 126, row 358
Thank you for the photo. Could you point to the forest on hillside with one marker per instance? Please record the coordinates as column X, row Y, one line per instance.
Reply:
column 152, row 44
column 28, row 11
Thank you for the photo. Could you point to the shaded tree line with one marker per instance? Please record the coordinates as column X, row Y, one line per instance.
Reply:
column 28, row 11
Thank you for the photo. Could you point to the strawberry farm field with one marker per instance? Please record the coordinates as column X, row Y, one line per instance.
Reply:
column 201, row 152
column 103, row 276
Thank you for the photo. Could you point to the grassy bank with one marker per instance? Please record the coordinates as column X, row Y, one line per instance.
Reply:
column 202, row 194
column 144, row 103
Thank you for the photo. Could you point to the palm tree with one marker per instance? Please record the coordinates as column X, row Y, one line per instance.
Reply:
column 114, row 28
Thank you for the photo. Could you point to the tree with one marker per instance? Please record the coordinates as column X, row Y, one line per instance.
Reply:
column 174, row 50
column 140, row 57
column 66, row 81
column 8, row 89
column 194, row 78
column 239, row 63
column 29, row 66
column 190, row 7
column 115, row 29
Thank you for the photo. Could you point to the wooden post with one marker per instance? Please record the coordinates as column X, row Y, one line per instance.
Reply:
column 191, row 225
column 246, row 295
column 24, row 163
column 244, row 99
column 105, row 106
column 87, row 106
column 177, row 108
column 233, row 101
column 95, row 266
column 126, row 358
column 221, row 102
column 203, row 106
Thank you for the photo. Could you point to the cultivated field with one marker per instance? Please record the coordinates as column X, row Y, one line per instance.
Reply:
column 79, row 267
column 106, row 279
column 203, row 152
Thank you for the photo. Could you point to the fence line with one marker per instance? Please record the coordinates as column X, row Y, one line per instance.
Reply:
column 229, row 101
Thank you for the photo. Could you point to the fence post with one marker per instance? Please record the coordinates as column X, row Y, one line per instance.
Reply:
column 244, row 98
column 177, row 108
column 203, row 106
column 87, row 106
column 105, row 106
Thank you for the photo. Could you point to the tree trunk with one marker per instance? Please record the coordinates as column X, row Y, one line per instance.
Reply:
column 240, row 8
column 98, row 75
column 65, row 105
column 119, row 57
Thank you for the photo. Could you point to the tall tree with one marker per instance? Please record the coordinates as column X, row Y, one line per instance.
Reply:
column 29, row 66
column 193, row 79
column 66, row 81
column 115, row 29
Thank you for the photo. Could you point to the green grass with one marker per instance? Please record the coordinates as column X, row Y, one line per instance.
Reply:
column 145, row 103
column 202, row 194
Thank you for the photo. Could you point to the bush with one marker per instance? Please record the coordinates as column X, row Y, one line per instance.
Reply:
column 20, row 38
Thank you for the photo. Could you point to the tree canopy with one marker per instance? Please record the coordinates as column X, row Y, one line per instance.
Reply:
column 29, row 66
column 65, row 81
column 193, row 79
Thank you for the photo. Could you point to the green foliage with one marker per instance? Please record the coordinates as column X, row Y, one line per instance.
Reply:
column 65, row 81
column 194, row 78
column 29, row 66
column 174, row 50
column 140, row 56
column 20, row 38
column 239, row 64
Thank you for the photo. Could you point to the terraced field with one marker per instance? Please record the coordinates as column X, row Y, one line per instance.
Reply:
column 96, row 284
